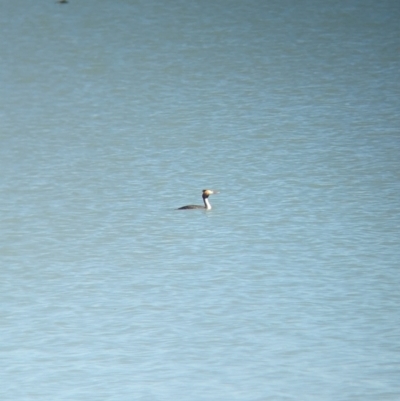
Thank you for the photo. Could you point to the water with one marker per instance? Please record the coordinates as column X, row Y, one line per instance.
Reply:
column 115, row 113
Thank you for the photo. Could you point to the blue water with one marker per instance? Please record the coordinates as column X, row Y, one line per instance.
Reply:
column 114, row 114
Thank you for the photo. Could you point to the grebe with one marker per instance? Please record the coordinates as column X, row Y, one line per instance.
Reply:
column 207, row 205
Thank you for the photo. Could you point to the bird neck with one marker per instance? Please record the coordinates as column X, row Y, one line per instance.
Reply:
column 206, row 203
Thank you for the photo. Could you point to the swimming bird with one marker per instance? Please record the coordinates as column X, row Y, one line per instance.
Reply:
column 205, row 195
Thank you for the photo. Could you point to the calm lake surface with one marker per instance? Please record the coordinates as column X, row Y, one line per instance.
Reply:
column 116, row 112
